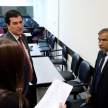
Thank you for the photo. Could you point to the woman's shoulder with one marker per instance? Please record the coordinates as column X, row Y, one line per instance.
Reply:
column 11, row 101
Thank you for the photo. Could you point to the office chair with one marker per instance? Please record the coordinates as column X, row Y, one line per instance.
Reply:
column 37, row 34
column 84, row 77
column 68, row 75
column 42, row 35
column 45, row 37
column 63, row 60
column 47, row 49
column 47, row 43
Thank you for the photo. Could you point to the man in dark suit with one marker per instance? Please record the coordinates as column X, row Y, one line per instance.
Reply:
column 14, row 24
column 98, row 97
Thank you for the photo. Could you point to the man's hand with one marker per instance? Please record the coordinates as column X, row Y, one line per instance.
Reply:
column 61, row 106
column 88, row 98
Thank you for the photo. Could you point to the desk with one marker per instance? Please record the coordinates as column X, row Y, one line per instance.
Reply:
column 27, row 34
column 45, row 70
column 35, row 51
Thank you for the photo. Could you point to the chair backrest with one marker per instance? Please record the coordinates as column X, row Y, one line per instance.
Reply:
column 25, row 30
column 84, row 72
column 52, row 42
column 47, row 33
column 64, row 52
column 49, row 37
column 76, row 60
column 37, row 31
column 1, row 31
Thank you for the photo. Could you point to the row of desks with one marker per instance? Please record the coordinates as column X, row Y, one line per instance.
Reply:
column 44, row 68
column 34, row 51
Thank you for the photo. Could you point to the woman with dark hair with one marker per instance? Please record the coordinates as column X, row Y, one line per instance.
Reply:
column 11, row 75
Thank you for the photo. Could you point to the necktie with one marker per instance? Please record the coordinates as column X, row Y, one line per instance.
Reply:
column 31, row 73
column 98, row 73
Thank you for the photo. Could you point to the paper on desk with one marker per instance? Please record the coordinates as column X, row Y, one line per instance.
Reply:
column 57, row 93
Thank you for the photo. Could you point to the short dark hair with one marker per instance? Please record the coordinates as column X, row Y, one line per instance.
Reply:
column 103, row 31
column 11, row 13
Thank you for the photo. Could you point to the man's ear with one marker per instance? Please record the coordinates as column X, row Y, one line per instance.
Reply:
column 7, row 26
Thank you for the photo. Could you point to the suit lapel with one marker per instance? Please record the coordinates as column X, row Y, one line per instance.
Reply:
column 10, row 36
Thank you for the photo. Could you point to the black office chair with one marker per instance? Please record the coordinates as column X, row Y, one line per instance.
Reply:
column 37, row 31
column 68, row 75
column 63, row 60
column 37, row 34
column 48, row 48
column 84, row 77
column 45, row 35
column 47, row 43
column 25, row 30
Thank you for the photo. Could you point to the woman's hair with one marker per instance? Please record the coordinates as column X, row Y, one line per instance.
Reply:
column 11, row 70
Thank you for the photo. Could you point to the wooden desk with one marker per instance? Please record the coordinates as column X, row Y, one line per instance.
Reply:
column 45, row 70
column 35, row 51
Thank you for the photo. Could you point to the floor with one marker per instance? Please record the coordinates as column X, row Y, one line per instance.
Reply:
column 41, row 90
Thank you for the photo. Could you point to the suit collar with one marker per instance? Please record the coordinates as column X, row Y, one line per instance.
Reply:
column 10, row 36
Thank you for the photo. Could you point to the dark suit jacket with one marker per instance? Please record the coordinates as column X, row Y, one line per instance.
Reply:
column 26, row 65
column 101, row 98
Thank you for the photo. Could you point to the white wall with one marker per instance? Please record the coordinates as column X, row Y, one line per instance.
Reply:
column 46, row 14
column 78, row 23
column 16, row 2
